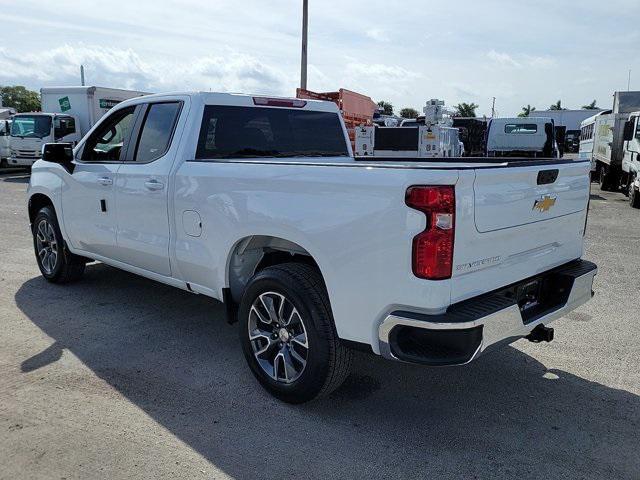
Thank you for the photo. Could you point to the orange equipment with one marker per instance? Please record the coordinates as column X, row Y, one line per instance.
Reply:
column 356, row 109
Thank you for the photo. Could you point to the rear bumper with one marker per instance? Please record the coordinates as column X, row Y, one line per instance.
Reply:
column 471, row 327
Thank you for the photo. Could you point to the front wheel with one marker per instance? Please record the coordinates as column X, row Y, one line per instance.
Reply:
column 56, row 263
column 288, row 336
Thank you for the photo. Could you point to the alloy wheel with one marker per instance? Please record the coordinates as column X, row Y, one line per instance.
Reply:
column 278, row 337
column 47, row 246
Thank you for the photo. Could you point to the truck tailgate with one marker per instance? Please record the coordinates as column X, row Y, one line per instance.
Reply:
column 515, row 222
column 507, row 198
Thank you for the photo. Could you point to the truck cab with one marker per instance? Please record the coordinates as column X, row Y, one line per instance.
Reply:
column 521, row 137
column 631, row 160
column 30, row 131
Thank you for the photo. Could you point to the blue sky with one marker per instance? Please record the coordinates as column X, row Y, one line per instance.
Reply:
column 406, row 52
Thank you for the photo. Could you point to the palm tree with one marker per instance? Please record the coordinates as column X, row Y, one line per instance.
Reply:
column 557, row 106
column 387, row 108
column 526, row 111
column 409, row 113
column 591, row 106
column 466, row 110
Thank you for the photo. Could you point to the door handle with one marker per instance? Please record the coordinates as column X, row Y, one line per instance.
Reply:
column 154, row 184
column 106, row 181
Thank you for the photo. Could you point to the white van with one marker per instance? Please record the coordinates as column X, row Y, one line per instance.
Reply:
column 521, row 137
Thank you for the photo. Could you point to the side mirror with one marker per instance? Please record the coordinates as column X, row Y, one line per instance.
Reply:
column 629, row 130
column 60, row 153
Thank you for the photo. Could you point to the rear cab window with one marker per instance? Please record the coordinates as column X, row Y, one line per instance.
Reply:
column 259, row 132
column 521, row 128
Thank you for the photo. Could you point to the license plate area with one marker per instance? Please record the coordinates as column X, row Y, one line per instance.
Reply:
column 528, row 295
column 541, row 295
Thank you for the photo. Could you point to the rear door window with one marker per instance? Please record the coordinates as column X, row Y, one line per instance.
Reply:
column 157, row 130
column 254, row 132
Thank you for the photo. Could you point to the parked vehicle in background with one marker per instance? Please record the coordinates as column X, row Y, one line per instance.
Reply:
column 67, row 114
column 610, row 146
column 412, row 122
column 5, row 135
column 521, row 137
column 587, row 136
column 6, row 112
column 382, row 120
column 432, row 137
column 567, row 137
column 630, row 178
column 258, row 202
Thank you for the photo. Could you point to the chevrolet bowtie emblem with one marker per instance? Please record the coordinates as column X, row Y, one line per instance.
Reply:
column 544, row 204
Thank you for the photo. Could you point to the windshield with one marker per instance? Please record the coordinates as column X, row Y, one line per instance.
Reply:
column 38, row 126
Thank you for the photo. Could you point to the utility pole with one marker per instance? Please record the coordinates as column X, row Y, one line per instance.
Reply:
column 82, row 75
column 493, row 108
column 305, row 26
column 629, row 81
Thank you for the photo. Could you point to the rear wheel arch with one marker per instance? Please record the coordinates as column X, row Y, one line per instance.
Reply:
column 255, row 253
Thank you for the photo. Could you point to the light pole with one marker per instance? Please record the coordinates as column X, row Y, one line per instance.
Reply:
column 303, row 63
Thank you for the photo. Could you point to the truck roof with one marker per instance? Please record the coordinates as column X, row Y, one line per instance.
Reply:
column 84, row 89
column 519, row 119
column 245, row 100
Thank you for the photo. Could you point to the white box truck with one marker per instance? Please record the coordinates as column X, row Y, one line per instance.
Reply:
column 568, row 122
column 68, row 113
column 614, row 138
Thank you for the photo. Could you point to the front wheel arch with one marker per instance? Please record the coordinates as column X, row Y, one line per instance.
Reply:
column 37, row 202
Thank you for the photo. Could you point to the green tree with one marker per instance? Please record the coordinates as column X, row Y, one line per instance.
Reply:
column 466, row 109
column 409, row 113
column 526, row 111
column 20, row 98
column 387, row 108
column 557, row 106
column 591, row 106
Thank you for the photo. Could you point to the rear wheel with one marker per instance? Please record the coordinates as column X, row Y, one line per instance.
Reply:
column 634, row 195
column 604, row 178
column 56, row 263
column 288, row 335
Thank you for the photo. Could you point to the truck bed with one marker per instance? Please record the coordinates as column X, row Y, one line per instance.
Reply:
column 352, row 218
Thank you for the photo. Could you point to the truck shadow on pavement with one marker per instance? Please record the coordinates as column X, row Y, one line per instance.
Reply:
column 171, row 354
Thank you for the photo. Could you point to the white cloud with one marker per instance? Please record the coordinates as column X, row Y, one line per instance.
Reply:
column 520, row 61
column 377, row 34
column 379, row 71
column 124, row 68
column 503, row 59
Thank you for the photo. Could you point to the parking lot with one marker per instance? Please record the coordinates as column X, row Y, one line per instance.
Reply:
column 119, row 376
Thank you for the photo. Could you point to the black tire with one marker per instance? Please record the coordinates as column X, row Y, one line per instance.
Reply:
column 328, row 361
column 634, row 195
column 67, row 267
column 604, row 179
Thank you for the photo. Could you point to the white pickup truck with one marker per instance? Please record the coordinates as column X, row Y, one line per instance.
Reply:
column 259, row 202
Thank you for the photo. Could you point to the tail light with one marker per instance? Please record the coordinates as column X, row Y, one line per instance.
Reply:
column 433, row 248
